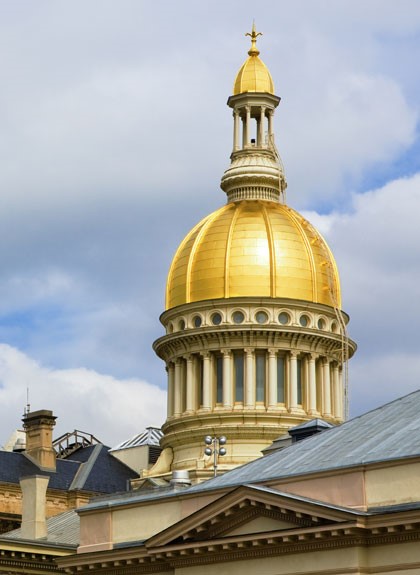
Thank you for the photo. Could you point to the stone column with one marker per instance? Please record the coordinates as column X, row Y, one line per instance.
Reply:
column 270, row 124
column 246, row 126
column 235, row 130
column 261, row 125
column 272, row 378
column 249, row 379
column 338, row 400
column 227, row 379
column 326, row 408
column 190, row 385
column 312, row 384
column 207, row 395
column 171, row 381
column 177, row 387
column 293, row 381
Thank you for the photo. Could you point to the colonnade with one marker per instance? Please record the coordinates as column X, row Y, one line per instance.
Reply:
column 246, row 114
column 255, row 379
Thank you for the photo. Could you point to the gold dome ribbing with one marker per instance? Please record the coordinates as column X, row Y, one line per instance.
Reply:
column 253, row 248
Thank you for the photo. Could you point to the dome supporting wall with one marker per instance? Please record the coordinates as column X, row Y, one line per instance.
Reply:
column 249, row 369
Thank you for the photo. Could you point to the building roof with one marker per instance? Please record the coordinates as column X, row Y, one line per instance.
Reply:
column 62, row 529
column 390, row 432
column 91, row 468
column 387, row 433
column 151, row 437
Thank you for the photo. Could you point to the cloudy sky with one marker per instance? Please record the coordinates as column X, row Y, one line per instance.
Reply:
column 114, row 135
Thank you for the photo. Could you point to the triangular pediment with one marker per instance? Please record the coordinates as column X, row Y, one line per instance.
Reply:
column 247, row 510
column 261, row 525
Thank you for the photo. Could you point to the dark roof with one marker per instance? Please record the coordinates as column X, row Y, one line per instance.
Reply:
column 91, row 468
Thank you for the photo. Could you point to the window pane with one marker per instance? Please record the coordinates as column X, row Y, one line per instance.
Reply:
column 260, row 369
column 280, row 379
column 299, row 381
column 219, row 379
column 239, row 376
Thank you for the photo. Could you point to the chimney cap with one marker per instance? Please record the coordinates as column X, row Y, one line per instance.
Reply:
column 40, row 414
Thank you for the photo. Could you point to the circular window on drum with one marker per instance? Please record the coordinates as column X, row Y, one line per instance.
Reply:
column 261, row 317
column 216, row 318
column 238, row 317
column 304, row 320
column 322, row 324
column 197, row 321
column 181, row 324
column 284, row 318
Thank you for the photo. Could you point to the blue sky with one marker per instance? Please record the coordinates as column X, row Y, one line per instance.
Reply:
column 115, row 133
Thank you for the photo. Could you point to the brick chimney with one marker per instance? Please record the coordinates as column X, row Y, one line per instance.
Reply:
column 38, row 426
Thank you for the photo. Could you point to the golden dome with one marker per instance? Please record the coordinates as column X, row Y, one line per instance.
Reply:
column 253, row 248
column 253, row 75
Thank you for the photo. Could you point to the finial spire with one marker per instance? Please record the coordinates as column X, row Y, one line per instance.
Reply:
column 253, row 51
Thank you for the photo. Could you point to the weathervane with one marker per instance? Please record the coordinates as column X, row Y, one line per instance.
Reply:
column 253, row 51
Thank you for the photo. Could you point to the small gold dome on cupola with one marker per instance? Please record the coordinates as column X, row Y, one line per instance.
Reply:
column 254, row 75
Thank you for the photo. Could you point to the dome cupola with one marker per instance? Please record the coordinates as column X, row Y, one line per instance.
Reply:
column 255, row 340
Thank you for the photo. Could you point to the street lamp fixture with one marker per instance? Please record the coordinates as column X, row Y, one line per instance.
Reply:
column 215, row 448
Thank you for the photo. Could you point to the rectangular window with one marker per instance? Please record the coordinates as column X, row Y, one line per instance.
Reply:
column 201, row 380
column 260, row 365
column 219, row 379
column 238, row 364
column 280, row 379
column 299, row 381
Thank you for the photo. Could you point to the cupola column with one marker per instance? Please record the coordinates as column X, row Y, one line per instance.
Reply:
column 312, row 384
column 247, row 123
column 272, row 378
column 249, row 379
column 227, row 379
column 270, row 125
column 178, row 387
column 261, row 126
column 206, row 399
column 236, row 119
column 190, row 385
column 293, row 381
column 326, row 411
column 338, row 402
column 171, row 381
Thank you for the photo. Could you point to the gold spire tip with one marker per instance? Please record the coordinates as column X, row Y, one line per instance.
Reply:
column 253, row 51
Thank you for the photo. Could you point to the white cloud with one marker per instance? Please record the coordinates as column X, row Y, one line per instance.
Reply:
column 111, row 409
column 377, row 246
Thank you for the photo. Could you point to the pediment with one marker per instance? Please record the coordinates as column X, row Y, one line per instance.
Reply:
column 247, row 510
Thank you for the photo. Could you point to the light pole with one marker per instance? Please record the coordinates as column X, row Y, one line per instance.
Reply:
column 215, row 449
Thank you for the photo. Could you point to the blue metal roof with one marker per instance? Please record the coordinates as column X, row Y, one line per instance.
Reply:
column 389, row 432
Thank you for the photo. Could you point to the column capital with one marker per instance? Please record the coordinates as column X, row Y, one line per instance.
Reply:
column 272, row 351
column 249, row 350
column 313, row 356
column 226, row 352
column 188, row 357
column 205, row 354
column 294, row 353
